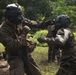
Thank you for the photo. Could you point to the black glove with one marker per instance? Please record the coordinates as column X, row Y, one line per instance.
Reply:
column 41, row 39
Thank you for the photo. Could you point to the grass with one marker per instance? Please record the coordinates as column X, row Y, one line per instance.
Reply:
column 40, row 56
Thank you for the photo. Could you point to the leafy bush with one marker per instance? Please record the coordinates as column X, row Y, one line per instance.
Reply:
column 39, row 33
column 2, row 48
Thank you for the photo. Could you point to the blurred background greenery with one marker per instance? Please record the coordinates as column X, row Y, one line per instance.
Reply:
column 44, row 9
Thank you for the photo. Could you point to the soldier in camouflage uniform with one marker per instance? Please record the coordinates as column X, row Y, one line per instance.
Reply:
column 53, row 50
column 65, row 40
column 13, row 37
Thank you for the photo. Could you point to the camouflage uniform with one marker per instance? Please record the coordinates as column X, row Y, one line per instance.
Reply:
column 13, row 37
column 68, row 59
column 65, row 39
column 9, row 38
column 53, row 50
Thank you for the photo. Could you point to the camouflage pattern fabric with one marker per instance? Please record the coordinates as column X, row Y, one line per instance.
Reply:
column 16, row 67
column 13, row 47
column 68, row 65
column 66, row 42
column 68, row 59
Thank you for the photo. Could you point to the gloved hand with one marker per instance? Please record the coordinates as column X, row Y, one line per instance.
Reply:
column 41, row 39
column 25, row 30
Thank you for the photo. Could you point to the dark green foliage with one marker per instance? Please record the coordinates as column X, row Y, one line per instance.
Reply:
column 3, row 4
column 44, row 9
column 36, row 9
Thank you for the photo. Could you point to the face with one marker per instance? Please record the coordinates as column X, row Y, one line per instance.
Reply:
column 18, row 20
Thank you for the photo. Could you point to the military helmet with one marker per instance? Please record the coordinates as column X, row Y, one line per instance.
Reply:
column 63, row 19
column 14, row 13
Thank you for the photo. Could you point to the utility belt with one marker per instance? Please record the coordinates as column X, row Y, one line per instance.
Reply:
column 69, row 50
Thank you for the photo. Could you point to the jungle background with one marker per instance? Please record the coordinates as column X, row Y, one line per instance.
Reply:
column 43, row 10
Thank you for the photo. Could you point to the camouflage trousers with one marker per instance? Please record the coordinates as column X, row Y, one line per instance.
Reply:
column 33, row 68
column 16, row 66
column 68, row 65
column 53, row 54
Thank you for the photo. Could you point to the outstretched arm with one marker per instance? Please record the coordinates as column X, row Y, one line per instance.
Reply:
column 59, row 39
column 37, row 24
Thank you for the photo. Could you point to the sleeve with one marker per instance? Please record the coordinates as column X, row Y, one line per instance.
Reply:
column 9, row 42
column 61, row 37
column 36, row 24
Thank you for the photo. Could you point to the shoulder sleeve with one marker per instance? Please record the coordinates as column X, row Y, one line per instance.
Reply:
column 62, row 36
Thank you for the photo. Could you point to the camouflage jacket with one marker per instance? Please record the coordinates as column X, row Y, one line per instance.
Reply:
column 9, row 38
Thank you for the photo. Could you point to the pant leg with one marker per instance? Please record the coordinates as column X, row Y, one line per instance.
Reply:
column 58, row 56
column 51, row 56
column 16, row 66
column 33, row 68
